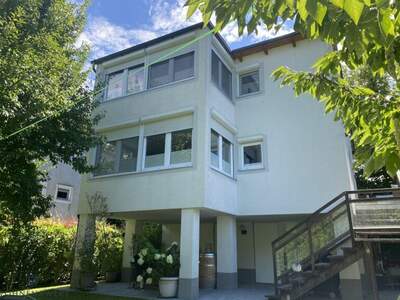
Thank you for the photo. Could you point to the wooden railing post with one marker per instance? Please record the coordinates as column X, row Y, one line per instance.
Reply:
column 310, row 244
column 349, row 216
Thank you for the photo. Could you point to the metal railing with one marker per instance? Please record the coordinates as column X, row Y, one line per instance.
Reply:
column 330, row 226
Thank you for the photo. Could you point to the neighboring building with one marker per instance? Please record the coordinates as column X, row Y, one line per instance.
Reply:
column 205, row 142
column 63, row 186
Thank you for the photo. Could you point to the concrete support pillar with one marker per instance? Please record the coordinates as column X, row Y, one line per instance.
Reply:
column 189, row 254
column 82, row 276
column 226, row 252
column 126, row 270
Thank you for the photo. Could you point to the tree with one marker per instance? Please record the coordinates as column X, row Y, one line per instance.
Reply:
column 41, row 78
column 364, row 33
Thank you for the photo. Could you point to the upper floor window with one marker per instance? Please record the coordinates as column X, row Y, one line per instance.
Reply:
column 249, row 83
column 166, row 150
column 170, row 70
column 221, row 75
column 221, row 151
column 117, row 156
column 135, row 79
column 251, row 155
column 115, row 85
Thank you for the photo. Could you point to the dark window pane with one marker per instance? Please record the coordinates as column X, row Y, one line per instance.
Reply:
column 226, row 156
column 215, row 68
column 155, row 149
column 159, row 74
column 63, row 194
column 214, row 149
column 181, row 146
column 252, row 154
column 226, row 81
column 128, row 157
column 184, row 66
column 105, row 160
column 249, row 83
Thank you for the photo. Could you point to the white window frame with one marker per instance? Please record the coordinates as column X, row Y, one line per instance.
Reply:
column 219, row 85
column 167, row 154
column 256, row 166
column 65, row 187
column 220, row 160
column 246, row 72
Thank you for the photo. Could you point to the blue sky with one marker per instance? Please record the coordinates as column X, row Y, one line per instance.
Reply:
column 114, row 25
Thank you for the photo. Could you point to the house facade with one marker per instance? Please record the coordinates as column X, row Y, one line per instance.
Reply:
column 201, row 139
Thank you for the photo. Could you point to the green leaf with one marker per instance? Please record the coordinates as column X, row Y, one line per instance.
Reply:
column 386, row 22
column 354, row 9
column 338, row 3
column 301, row 7
column 316, row 10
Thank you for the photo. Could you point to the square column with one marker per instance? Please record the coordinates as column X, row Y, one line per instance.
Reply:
column 189, row 254
column 126, row 270
column 226, row 252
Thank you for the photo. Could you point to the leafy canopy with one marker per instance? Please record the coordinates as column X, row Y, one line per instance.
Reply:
column 41, row 75
column 365, row 34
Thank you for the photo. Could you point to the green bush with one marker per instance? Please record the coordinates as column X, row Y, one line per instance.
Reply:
column 41, row 253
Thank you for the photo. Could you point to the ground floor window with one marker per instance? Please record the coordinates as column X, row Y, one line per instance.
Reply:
column 63, row 193
column 221, row 153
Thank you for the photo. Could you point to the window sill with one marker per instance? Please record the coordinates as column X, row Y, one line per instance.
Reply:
column 252, row 168
column 144, row 171
column 222, row 173
column 148, row 90
column 241, row 97
column 62, row 201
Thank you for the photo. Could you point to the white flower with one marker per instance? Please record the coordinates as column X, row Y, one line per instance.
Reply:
column 140, row 261
column 149, row 281
column 169, row 259
column 132, row 260
column 144, row 252
column 139, row 278
column 163, row 255
column 174, row 244
column 157, row 256
column 149, row 270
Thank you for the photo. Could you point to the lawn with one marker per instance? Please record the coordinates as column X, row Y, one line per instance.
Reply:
column 53, row 293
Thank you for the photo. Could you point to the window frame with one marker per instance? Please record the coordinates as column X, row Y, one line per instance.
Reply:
column 117, row 157
column 167, row 153
column 171, row 70
column 219, row 83
column 220, row 154
column 244, row 73
column 124, row 84
column 64, row 187
column 144, row 79
column 255, row 166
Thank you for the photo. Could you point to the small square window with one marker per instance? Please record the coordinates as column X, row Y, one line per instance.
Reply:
column 249, row 83
column 63, row 193
column 252, row 156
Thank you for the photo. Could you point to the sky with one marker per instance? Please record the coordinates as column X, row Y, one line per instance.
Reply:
column 114, row 25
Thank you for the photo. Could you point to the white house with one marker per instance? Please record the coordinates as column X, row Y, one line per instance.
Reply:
column 204, row 141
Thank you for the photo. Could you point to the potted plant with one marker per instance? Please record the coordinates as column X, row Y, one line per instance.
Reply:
column 167, row 269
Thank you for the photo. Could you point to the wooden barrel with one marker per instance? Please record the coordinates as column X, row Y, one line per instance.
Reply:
column 207, row 270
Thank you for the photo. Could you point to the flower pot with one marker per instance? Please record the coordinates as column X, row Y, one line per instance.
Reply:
column 112, row 276
column 168, row 287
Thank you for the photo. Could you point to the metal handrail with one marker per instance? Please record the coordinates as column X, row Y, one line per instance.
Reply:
column 315, row 218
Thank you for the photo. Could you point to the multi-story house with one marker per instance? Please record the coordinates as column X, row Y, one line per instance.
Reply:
column 202, row 139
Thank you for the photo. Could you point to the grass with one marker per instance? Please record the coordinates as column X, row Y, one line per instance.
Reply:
column 54, row 293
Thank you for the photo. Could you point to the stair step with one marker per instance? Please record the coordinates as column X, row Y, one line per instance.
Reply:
column 285, row 287
column 308, row 274
column 322, row 265
column 348, row 250
column 335, row 258
column 299, row 280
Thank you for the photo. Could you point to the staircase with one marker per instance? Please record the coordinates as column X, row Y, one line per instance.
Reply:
column 333, row 238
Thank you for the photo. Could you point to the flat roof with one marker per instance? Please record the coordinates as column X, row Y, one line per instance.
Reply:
column 235, row 54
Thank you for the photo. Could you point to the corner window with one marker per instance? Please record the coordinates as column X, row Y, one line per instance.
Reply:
column 117, row 156
column 115, row 85
column 135, row 79
column 220, row 75
column 251, row 156
column 221, row 152
column 249, row 83
column 63, row 193
column 173, row 69
column 167, row 150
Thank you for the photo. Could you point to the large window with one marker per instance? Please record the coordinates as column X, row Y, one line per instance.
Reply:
column 135, row 79
column 221, row 75
column 115, row 85
column 166, row 150
column 173, row 69
column 249, row 82
column 221, row 152
column 117, row 156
